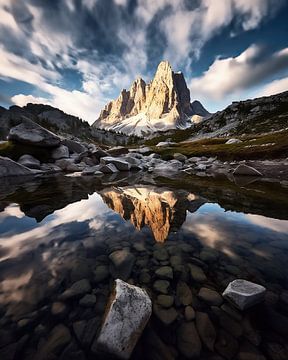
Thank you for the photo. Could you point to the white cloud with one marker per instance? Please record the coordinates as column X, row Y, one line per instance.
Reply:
column 275, row 87
column 233, row 75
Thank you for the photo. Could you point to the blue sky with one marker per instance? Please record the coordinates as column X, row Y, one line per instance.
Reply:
column 78, row 54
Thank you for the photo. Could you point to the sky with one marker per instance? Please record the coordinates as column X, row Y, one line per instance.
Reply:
column 77, row 55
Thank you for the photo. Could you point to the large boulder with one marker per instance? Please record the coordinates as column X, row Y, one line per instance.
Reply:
column 121, row 165
column 244, row 294
column 128, row 313
column 74, row 146
column 9, row 167
column 33, row 134
column 61, row 152
column 29, row 161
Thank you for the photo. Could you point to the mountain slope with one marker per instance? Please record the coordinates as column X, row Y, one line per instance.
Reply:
column 162, row 104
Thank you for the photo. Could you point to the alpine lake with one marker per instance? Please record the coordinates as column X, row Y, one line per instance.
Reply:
column 177, row 236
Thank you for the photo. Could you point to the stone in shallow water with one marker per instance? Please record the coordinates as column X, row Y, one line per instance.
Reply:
column 206, row 329
column 165, row 301
column 226, row 345
column 129, row 311
column 197, row 273
column 164, row 272
column 101, row 273
column 211, row 297
column 161, row 286
column 183, row 293
column 188, row 340
column 88, row 300
column 79, row 288
column 122, row 262
column 161, row 254
column 244, row 294
column 189, row 313
column 166, row 316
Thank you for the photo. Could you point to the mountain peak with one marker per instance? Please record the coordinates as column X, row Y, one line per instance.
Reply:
column 162, row 104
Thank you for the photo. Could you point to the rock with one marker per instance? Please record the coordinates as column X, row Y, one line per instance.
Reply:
column 164, row 272
column 165, row 143
column 161, row 286
column 58, row 309
column 233, row 141
column 108, row 169
column 161, row 254
column 206, row 330
column 101, row 273
column 118, row 151
column 249, row 352
column 228, row 323
column 90, row 170
column 73, row 146
column 188, row 340
column 183, row 293
column 125, row 319
column 211, row 297
column 67, row 165
column 197, row 273
column 73, row 352
column 30, row 133
column 29, row 161
column 189, row 313
column 226, row 345
column 61, row 152
column 122, row 264
column 77, row 289
column 158, row 350
column 57, row 340
column 121, row 165
column 88, row 300
column 85, row 331
column 9, row 167
column 144, row 277
column 201, row 167
column 165, row 301
column 244, row 294
column 246, row 170
column 166, row 316
column 180, row 157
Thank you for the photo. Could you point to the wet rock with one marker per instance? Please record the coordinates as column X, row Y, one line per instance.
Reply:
column 197, row 273
column 9, row 167
column 59, row 309
column 85, row 331
column 108, row 169
column 57, row 340
column 161, row 286
column 88, row 300
column 61, row 152
column 166, row 316
column 206, row 330
column 129, row 311
column 188, row 340
column 161, row 254
column 244, row 294
column 101, row 273
column 139, row 246
column 121, row 165
column 90, row 170
column 211, row 297
column 246, row 170
column 74, row 146
column 183, row 293
column 164, row 272
column 189, row 313
column 122, row 262
column 33, row 134
column 165, row 301
column 226, row 345
column 175, row 260
column 29, row 161
column 79, row 288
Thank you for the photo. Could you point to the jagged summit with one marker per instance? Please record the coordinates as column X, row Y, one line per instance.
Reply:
column 162, row 104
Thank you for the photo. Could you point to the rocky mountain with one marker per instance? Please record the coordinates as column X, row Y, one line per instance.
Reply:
column 162, row 210
column 162, row 104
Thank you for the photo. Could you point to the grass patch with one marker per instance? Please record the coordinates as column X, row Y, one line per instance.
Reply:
column 269, row 146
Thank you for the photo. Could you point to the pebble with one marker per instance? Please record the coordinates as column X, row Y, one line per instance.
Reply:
column 211, row 297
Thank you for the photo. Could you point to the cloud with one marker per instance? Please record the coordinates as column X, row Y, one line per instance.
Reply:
column 275, row 87
column 232, row 75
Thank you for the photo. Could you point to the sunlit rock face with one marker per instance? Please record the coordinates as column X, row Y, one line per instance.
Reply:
column 162, row 104
column 161, row 210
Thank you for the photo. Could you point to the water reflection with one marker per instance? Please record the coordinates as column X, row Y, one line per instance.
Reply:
column 60, row 230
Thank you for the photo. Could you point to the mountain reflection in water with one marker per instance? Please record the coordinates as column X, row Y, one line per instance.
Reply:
column 58, row 230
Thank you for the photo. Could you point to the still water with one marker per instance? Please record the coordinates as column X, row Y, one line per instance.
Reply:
column 204, row 232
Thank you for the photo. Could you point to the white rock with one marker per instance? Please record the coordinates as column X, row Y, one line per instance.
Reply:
column 129, row 311
column 165, row 143
column 233, row 141
column 244, row 294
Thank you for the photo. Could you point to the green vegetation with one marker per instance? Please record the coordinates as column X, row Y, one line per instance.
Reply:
column 261, row 147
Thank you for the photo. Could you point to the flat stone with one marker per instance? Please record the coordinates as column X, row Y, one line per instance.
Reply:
column 183, row 293
column 206, row 330
column 88, row 300
column 165, row 301
column 108, row 169
column 29, row 161
column 166, row 316
column 211, row 297
column 161, row 286
column 33, row 134
column 164, row 272
column 77, row 289
column 125, row 319
column 122, row 262
column 244, row 294
column 101, row 273
column 188, row 340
